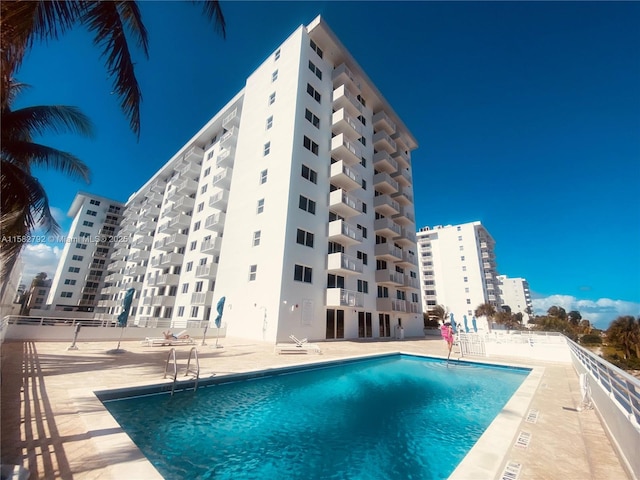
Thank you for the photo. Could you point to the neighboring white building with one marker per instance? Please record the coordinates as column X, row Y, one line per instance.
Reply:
column 458, row 269
column 80, row 274
column 515, row 293
column 11, row 290
column 294, row 202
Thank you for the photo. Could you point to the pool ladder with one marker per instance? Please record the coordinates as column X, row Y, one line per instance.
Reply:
column 195, row 371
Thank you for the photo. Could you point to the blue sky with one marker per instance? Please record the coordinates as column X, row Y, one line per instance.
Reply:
column 527, row 116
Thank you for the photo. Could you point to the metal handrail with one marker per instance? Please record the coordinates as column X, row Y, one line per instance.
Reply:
column 195, row 372
column 170, row 356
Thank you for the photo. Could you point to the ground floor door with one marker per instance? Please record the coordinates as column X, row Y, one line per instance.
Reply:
column 335, row 323
column 385, row 324
column 364, row 325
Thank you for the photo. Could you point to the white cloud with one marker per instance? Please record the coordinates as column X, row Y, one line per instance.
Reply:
column 599, row 312
column 39, row 257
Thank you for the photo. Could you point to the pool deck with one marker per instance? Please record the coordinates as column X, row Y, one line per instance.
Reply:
column 53, row 425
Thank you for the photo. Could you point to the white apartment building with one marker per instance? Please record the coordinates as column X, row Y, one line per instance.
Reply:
column 515, row 293
column 458, row 269
column 79, row 277
column 294, row 202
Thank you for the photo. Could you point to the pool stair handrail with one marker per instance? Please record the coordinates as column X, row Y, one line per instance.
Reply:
column 172, row 356
column 196, row 370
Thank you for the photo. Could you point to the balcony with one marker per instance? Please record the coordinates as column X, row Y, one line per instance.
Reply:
column 405, row 217
column 338, row 297
column 343, row 264
column 413, row 307
column 189, row 169
column 113, row 277
column 158, row 185
column 344, row 177
column 386, row 227
column 119, row 254
column 167, row 260
column 175, row 240
column 185, row 187
column 343, row 204
column 231, row 120
column 391, row 305
column 139, row 256
column 224, row 159
column 403, row 177
column 344, row 123
column 207, row 271
column 410, row 282
column 153, row 198
column 159, row 301
column 382, row 122
column 142, row 241
column 344, row 233
column 165, row 280
column 344, row 149
column 117, row 265
column 388, row 251
column 128, row 229
column 181, row 205
column 211, row 246
column 147, row 226
column 382, row 141
column 202, row 298
column 383, row 183
column 341, row 75
column 215, row 222
column 219, row 200
column 181, row 222
column 149, row 211
column 407, row 238
column 404, row 197
column 343, row 98
column 383, row 162
column 408, row 259
column 222, row 179
column 229, row 137
column 402, row 158
column 193, row 154
column 389, row 277
column 135, row 270
column 385, row 205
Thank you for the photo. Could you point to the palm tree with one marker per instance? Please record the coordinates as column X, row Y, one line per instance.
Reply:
column 625, row 332
column 24, row 204
column 440, row 313
column 22, row 23
column 486, row 310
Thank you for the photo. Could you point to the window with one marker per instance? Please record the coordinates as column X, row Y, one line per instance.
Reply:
column 200, row 207
column 302, row 274
column 362, row 119
column 87, row 223
column 81, row 246
column 383, row 292
column 363, row 256
column 464, row 268
column 198, row 287
column 68, row 281
column 74, row 269
column 253, row 272
column 269, row 122
column 267, row 149
column 304, row 238
column 315, row 70
column 461, row 247
column 203, row 189
column 185, row 288
column 84, row 234
column 77, row 257
column 363, row 230
column 274, row 76
column 272, row 98
column 309, row 174
column 310, row 145
column 468, row 301
column 460, row 238
column 263, row 176
column 95, row 202
column 364, row 184
column 93, row 213
column 363, row 286
column 313, row 93
column 315, row 48
column 193, row 245
column 196, row 226
column 260, row 208
column 363, row 141
column 180, row 311
column 307, row 205
column 312, row 118
column 194, row 312
column 458, row 228
column 466, row 290
column 210, row 155
column 189, row 266
column 207, row 171
column 66, row 294
column 466, row 279
column 462, row 258
column 256, row 238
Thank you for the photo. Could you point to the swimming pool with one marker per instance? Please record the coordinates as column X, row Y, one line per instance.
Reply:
column 395, row 417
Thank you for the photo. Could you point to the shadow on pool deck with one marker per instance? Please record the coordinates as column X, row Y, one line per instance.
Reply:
column 44, row 426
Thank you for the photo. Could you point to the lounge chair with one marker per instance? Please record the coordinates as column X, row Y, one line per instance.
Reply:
column 299, row 347
column 169, row 339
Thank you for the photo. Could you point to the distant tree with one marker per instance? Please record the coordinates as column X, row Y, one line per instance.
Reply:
column 39, row 280
column 486, row 310
column 556, row 324
column 440, row 313
column 557, row 312
column 517, row 317
column 506, row 308
column 624, row 332
column 428, row 321
column 585, row 327
column 591, row 339
column 574, row 317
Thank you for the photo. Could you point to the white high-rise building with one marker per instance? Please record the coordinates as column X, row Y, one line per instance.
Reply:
column 294, row 202
column 458, row 268
column 81, row 270
column 515, row 293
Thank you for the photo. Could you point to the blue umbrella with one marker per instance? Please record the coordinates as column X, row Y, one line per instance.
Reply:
column 473, row 323
column 124, row 316
column 466, row 327
column 453, row 323
column 218, row 320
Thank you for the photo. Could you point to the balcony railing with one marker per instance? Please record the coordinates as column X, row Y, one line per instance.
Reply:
column 341, row 297
column 340, row 262
column 342, row 232
column 344, row 177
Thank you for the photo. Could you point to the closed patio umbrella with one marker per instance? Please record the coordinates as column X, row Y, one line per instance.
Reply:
column 218, row 320
column 453, row 323
column 466, row 326
column 124, row 316
column 473, row 324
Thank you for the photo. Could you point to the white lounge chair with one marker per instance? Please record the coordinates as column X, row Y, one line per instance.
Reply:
column 299, row 346
column 181, row 338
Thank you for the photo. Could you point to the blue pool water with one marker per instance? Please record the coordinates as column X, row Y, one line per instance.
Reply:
column 396, row 417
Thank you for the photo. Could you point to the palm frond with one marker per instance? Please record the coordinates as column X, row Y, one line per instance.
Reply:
column 132, row 19
column 103, row 19
column 42, row 119
column 213, row 11
column 26, row 153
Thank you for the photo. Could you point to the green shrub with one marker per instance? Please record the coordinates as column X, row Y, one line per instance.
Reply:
column 591, row 339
